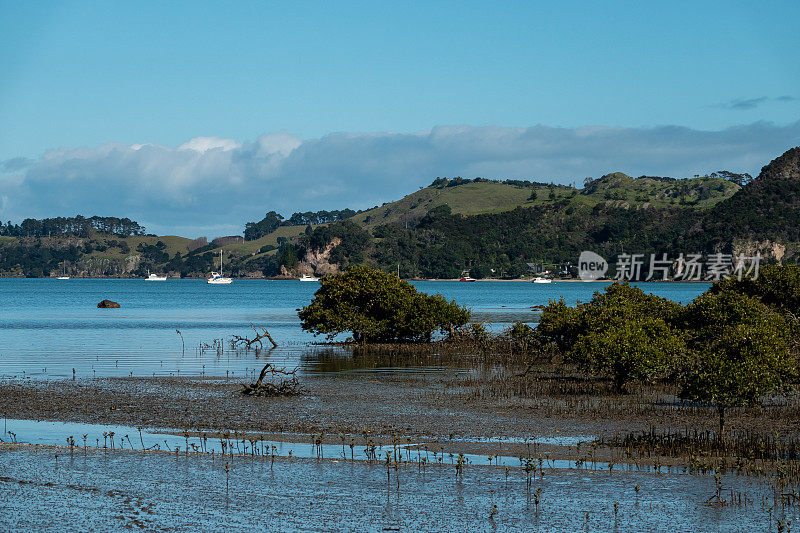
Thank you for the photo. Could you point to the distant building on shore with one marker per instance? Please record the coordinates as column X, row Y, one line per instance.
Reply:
column 225, row 241
column 197, row 243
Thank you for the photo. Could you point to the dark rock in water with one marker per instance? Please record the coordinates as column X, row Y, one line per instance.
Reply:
column 107, row 304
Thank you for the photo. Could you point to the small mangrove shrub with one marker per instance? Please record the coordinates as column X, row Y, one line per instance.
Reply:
column 623, row 332
column 739, row 351
column 378, row 307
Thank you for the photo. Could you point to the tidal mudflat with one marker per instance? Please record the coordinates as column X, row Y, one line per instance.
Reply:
column 190, row 452
column 49, row 488
column 379, row 439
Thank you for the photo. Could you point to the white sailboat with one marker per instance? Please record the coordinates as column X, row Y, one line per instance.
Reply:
column 154, row 277
column 63, row 277
column 539, row 279
column 216, row 277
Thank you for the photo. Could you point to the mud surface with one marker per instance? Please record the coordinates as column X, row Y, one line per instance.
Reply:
column 449, row 410
column 412, row 405
column 48, row 489
column 432, row 406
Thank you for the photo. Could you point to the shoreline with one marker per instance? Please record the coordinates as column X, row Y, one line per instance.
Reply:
column 426, row 408
column 284, row 278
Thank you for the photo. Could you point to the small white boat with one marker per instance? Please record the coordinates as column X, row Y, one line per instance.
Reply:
column 542, row 280
column 62, row 277
column 154, row 277
column 307, row 278
column 465, row 277
column 216, row 277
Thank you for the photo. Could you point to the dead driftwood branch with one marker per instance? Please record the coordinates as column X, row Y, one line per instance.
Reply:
column 248, row 343
column 281, row 382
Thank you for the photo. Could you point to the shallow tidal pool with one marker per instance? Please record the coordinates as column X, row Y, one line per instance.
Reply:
column 49, row 488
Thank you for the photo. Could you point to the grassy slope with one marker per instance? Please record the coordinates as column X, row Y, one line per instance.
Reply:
column 475, row 198
column 470, row 199
column 251, row 248
column 488, row 197
column 467, row 199
column 657, row 193
column 174, row 244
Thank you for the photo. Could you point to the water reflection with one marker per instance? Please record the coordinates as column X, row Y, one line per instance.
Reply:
column 49, row 328
column 355, row 360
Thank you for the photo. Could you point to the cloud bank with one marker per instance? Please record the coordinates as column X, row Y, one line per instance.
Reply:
column 212, row 186
column 742, row 104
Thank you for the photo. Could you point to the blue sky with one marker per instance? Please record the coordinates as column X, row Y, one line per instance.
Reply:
column 77, row 76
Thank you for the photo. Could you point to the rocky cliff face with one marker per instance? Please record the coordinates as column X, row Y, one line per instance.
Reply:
column 767, row 249
column 763, row 216
column 317, row 262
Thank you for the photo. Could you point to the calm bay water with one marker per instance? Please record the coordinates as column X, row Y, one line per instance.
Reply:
column 48, row 327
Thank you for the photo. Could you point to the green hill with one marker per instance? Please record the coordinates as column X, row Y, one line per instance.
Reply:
column 769, row 207
column 436, row 231
column 499, row 227
column 480, row 197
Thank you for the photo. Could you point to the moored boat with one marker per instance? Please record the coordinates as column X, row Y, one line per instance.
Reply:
column 216, row 277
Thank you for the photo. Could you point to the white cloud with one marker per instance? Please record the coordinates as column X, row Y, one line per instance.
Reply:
column 140, row 146
column 204, row 144
column 281, row 144
column 211, row 182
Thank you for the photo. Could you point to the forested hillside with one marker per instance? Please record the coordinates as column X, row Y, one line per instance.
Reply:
column 491, row 227
column 496, row 228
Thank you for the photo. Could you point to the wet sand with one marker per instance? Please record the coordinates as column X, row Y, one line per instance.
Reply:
column 46, row 488
column 428, row 405
column 438, row 406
